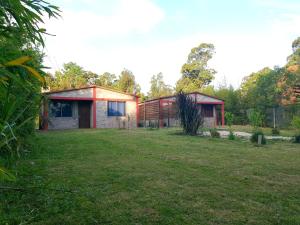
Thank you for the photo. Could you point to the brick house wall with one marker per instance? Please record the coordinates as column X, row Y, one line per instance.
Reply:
column 98, row 97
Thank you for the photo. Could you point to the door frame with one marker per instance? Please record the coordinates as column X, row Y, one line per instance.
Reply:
column 83, row 104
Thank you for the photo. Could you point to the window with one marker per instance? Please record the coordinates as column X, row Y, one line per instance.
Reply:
column 116, row 108
column 61, row 109
column 208, row 110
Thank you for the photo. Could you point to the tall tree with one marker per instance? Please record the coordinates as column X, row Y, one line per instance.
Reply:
column 196, row 73
column 71, row 76
column 158, row 87
column 127, row 83
column 106, row 80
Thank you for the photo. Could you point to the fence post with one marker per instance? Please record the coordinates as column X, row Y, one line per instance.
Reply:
column 274, row 117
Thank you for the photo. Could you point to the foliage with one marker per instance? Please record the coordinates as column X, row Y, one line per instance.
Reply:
column 127, row 83
column 21, row 78
column 71, row 76
column 233, row 103
column 158, row 87
column 231, row 135
column 254, row 137
column 256, row 119
column 25, row 16
column 214, row 133
column 189, row 114
column 275, row 131
column 106, row 80
column 229, row 117
column 196, row 73
column 297, row 138
column 296, row 124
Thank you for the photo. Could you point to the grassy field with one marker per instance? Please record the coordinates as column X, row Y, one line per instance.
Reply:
column 152, row 177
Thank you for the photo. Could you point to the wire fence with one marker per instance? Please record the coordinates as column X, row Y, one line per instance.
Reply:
column 281, row 116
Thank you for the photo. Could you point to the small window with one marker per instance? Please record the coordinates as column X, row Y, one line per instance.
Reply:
column 116, row 109
column 208, row 110
column 61, row 109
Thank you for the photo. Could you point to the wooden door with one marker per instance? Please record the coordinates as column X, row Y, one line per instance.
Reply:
column 84, row 113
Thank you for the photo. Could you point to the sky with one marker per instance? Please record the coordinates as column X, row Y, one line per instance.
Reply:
column 152, row 36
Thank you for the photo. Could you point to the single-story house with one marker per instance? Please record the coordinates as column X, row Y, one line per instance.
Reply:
column 101, row 107
column 89, row 107
column 162, row 111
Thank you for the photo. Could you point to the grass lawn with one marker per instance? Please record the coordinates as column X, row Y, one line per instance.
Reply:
column 152, row 177
column 267, row 130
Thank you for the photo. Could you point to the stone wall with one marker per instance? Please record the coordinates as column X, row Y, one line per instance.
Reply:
column 105, row 121
column 60, row 123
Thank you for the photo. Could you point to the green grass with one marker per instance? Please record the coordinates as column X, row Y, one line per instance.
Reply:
column 267, row 130
column 153, row 177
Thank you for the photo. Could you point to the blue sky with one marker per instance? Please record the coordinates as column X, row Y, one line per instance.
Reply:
column 152, row 36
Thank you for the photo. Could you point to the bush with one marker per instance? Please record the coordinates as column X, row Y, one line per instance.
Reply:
column 231, row 136
column 296, row 124
column 275, row 131
column 297, row 139
column 229, row 117
column 255, row 119
column 254, row 137
column 214, row 133
column 189, row 114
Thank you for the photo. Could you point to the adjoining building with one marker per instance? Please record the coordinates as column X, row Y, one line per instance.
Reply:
column 101, row 107
column 89, row 107
column 162, row 111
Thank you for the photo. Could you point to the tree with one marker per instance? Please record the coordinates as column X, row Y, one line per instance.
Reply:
column 71, row 76
column 233, row 103
column 106, row 80
column 127, row 83
column 290, row 82
column 294, row 58
column 196, row 73
column 158, row 87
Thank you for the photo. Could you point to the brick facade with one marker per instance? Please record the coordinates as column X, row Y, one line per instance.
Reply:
column 101, row 97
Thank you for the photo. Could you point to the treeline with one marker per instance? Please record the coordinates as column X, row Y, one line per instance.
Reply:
column 260, row 91
column 264, row 90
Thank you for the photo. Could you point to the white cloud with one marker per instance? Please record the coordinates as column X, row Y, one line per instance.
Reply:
column 238, row 54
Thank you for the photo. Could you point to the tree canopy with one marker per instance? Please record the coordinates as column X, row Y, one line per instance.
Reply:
column 195, row 72
column 158, row 87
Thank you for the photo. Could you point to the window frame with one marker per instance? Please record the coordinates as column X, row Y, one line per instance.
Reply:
column 109, row 114
column 207, row 113
column 60, row 107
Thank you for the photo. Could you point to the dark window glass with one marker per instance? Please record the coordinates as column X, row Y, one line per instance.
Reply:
column 61, row 109
column 116, row 109
column 208, row 110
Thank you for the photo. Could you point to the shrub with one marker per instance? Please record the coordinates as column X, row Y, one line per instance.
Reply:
column 189, row 114
column 297, row 138
column 275, row 131
column 254, row 137
column 255, row 119
column 214, row 133
column 231, row 136
column 296, row 124
column 229, row 119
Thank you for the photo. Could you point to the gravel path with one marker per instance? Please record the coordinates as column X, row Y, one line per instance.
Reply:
column 225, row 134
